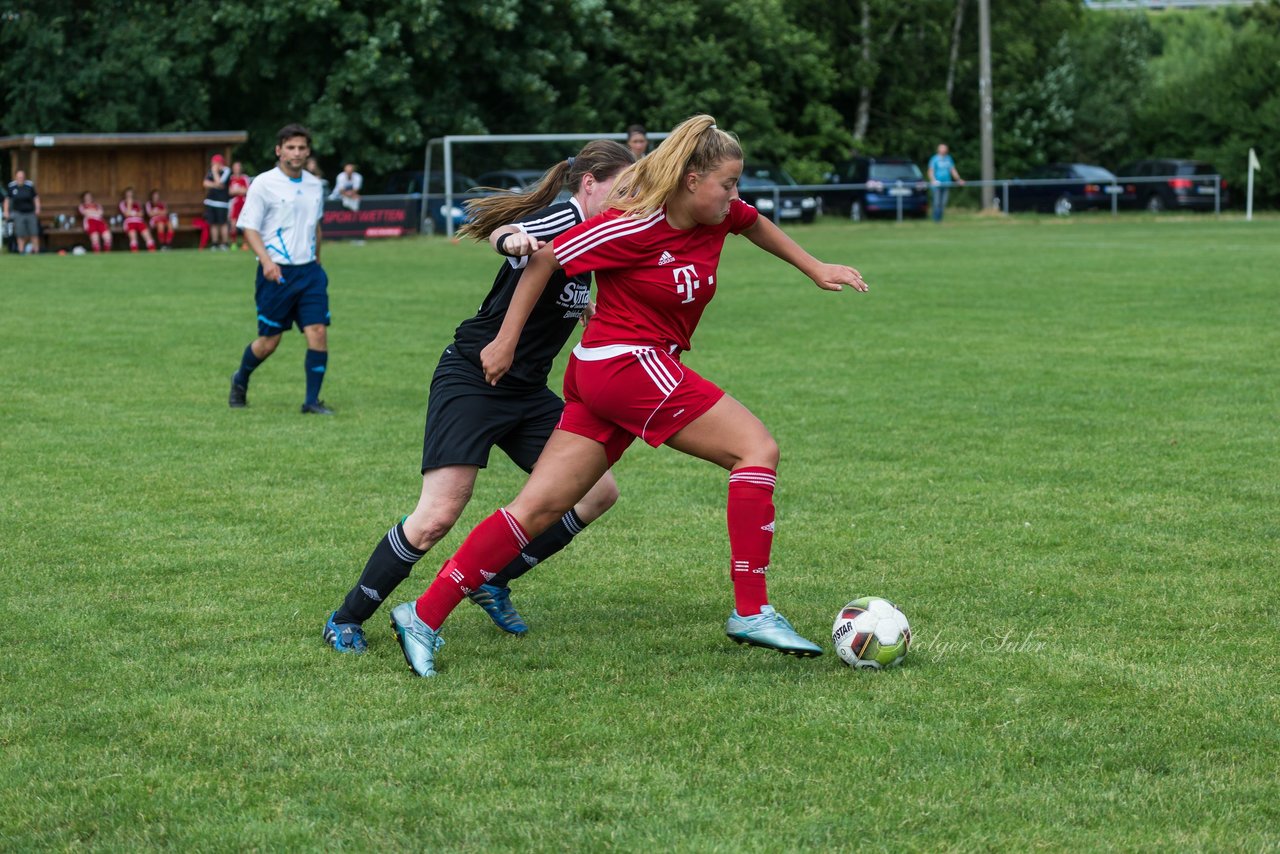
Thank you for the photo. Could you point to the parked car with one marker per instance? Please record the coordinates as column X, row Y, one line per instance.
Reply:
column 515, row 180
column 1187, row 184
column 1074, row 187
column 887, row 180
column 756, row 188
column 411, row 182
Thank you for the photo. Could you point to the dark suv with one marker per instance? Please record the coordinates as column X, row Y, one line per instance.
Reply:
column 1187, row 184
column 887, row 180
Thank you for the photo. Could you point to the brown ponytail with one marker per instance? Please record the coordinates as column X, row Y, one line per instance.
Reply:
column 600, row 158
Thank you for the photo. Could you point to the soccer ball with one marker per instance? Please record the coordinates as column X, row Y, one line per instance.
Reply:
column 871, row 633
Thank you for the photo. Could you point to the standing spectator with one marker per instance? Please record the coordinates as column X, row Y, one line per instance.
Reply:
column 95, row 222
column 238, row 187
column 942, row 171
column 217, row 200
column 134, row 222
column 158, row 218
column 22, row 205
column 281, row 222
column 347, row 187
column 655, row 256
column 638, row 140
column 313, row 166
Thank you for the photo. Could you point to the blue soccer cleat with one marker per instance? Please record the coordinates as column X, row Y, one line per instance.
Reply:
column 770, row 630
column 496, row 602
column 417, row 641
column 344, row 637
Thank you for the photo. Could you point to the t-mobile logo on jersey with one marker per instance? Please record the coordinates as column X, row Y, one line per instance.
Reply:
column 686, row 284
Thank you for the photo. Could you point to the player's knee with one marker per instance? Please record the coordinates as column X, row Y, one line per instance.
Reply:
column 424, row 530
column 266, row 346
column 598, row 501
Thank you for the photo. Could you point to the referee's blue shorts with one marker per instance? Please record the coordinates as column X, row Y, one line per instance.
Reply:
column 301, row 299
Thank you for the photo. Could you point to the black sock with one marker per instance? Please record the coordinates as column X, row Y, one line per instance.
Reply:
column 542, row 547
column 391, row 562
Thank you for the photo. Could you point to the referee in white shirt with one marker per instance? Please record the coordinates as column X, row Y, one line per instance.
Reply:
column 281, row 223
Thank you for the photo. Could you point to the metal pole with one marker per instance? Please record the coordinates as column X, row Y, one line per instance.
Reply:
column 984, row 96
column 448, row 187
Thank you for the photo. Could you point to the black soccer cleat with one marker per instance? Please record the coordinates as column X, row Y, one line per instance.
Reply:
column 317, row 408
column 237, row 399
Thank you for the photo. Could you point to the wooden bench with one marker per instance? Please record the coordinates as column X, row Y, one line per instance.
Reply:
column 187, row 206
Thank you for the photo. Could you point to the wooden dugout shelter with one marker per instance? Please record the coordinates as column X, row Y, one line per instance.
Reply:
column 64, row 165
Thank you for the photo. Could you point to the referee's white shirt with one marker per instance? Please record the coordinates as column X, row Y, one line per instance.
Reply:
column 286, row 212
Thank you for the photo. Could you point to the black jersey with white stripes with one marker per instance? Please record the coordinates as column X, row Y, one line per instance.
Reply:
column 553, row 317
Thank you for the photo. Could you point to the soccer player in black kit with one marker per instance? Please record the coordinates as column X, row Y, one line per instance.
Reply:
column 467, row 417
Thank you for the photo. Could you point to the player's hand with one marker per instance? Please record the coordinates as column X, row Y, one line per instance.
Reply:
column 588, row 313
column 833, row 277
column 271, row 272
column 496, row 359
column 520, row 244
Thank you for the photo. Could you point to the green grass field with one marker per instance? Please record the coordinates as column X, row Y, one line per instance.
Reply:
column 1056, row 444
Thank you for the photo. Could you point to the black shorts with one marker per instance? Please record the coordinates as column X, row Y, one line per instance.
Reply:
column 215, row 215
column 467, row 417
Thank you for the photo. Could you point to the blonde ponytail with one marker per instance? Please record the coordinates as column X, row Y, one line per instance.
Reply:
column 696, row 145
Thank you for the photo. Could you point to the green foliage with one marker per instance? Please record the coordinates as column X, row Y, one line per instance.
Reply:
column 796, row 79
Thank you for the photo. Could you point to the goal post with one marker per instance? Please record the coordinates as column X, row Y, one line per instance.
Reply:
column 448, row 142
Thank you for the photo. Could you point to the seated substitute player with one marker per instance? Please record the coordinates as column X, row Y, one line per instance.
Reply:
column 134, row 222
column 281, row 222
column 655, row 256
column 467, row 417
column 158, row 217
column 95, row 222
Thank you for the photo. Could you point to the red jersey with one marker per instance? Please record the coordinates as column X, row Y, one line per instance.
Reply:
column 237, row 202
column 653, row 281
column 156, row 210
column 132, row 212
column 92, row 212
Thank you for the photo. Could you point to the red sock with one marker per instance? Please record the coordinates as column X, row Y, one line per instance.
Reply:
column 750, row 536
column 489, row 547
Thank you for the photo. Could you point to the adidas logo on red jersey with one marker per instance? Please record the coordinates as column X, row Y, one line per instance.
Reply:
column 666, row 258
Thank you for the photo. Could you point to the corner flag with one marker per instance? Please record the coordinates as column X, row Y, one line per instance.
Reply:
column 1248, row 204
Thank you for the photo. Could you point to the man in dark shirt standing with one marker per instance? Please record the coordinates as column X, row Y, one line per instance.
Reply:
column 22, row 205
column 217, row 201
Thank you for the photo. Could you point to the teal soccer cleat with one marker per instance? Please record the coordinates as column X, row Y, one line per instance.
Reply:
column 417, row 641
column 496, row 602
column 344, row 637
column 770, row 630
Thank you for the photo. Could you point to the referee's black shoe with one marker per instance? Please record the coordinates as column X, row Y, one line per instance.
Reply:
column 236, row 399
column 317, row 408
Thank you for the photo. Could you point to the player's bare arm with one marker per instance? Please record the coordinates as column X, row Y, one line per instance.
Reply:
column 829, row 277
column 496, row 358
column 270, row 269
column 517, row 243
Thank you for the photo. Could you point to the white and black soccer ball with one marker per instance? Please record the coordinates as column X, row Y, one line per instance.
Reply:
column 871, row 633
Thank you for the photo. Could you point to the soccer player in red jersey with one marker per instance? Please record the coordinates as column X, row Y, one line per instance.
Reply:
column 95, row 222
column 655, row 258
column 158, row 218
column 467, row 416
column 134, row 224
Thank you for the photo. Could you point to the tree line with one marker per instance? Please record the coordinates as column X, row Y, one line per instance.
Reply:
column 803, row 82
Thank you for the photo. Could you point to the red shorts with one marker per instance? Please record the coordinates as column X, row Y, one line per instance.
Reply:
column 614, row 396
column 159, row 223
column 134, row 225
column 96, row 226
